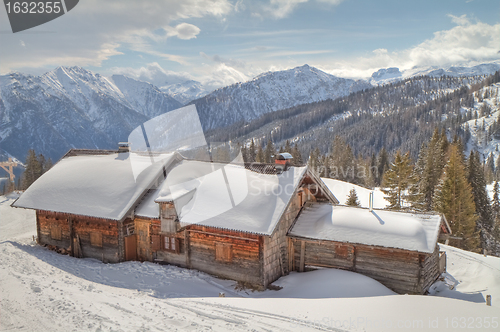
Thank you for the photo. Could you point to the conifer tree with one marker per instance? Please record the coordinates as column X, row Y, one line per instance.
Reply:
column 397, row 180
column 475, row 176
column 260, row 155
column 297, row 157
column 33, row 169
column 269, row 152
column 454, row 199
column 252, row 154
column 288, row 148
column 495, row 204
column 352, row 199
column 382, row 164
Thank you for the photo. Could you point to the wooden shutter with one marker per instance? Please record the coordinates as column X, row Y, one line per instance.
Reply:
column 96, row 239
column 223, row 252
column 55, row 232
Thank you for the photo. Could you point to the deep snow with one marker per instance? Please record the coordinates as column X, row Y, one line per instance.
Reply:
column 41, row 290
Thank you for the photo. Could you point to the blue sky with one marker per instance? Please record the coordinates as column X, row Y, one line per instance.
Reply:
column 219, row 42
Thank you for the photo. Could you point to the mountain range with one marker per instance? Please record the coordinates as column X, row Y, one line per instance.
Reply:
column 70, row 107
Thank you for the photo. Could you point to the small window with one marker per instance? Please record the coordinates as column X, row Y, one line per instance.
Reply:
column 171, row 243
column 55, row 232
column 223, row 252
column 96, row 239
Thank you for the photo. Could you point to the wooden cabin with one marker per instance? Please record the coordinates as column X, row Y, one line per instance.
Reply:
column 398, row 249
column 250, row 223
column 226, row 220
column 85, row 204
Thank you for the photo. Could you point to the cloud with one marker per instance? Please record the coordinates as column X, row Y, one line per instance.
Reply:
column 185, row 31
column 283, row 8
column 154, row 74
column 97, row 30
column 459, row 20
column 465, row 43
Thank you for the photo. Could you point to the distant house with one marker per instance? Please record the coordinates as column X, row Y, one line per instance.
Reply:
column 250, row 223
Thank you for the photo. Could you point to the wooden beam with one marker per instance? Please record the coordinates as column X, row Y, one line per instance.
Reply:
column 186, row 249
column 8, row 167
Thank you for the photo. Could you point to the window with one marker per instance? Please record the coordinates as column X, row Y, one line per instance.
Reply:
column 171, row 243
column 55, row 232
column 96, row 239
column 223, row 252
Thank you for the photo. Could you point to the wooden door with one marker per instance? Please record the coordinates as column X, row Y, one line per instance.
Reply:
column 131, row 248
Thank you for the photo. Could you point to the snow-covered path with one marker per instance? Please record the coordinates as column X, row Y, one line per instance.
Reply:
column 41, row 290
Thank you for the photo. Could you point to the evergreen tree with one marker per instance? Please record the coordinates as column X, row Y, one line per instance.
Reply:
column 352, row 199
column 33, row 169
column 495, row 204
column 269, row 152
column 475, row 176
column 435, row 159
column 288, row 148
column 260, row 155
column 454, row 199
column 397, row 180
column 252, row 154
column 382, row 164
column 297, row 157
column 489, row 171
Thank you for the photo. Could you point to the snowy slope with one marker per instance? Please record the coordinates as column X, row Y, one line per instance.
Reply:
column 186, row 91
column 479, row 138
column 45, row 291
column 270, row 92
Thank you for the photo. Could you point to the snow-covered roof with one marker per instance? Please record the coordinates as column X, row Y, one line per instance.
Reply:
column 148, row 207
column 104, row 186
column 229, row 196
column 409, row 231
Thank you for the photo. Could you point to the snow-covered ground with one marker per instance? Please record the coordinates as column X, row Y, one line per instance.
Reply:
column 41, row 290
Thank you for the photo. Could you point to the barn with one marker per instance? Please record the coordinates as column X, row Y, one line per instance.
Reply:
column 252, row 223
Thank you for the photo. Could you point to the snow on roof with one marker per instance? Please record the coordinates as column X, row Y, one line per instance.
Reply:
column 341, row 190
column 148, row 207
column 229, row 196
column 102, row 186
column 415, row 232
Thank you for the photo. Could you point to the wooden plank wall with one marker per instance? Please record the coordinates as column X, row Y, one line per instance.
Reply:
column 430, row 269
column 400, row 270
column 83, row 226
column 243, row 263
column 278, row 242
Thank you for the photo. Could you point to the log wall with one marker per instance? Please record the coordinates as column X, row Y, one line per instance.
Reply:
column 105, row 233
column 403, row 271
column 276, row 250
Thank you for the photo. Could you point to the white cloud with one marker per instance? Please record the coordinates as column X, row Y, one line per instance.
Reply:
column 465, row 43
column 459, row 20
column 154, row 74
column 184, row 31
column 283, row 8
column 96, row 30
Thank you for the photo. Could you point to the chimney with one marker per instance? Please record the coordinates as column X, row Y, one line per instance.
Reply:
column 123, row 147
column 282, row 161
column 370, row 202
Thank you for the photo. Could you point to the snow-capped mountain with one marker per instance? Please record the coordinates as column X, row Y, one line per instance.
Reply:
column 386, row 75
column 186, row 91
column 73, row 107
column 270, row 92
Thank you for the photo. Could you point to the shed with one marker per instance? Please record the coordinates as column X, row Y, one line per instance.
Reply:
column 398, row 249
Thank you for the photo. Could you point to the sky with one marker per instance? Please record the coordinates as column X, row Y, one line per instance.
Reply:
column 220, row 42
